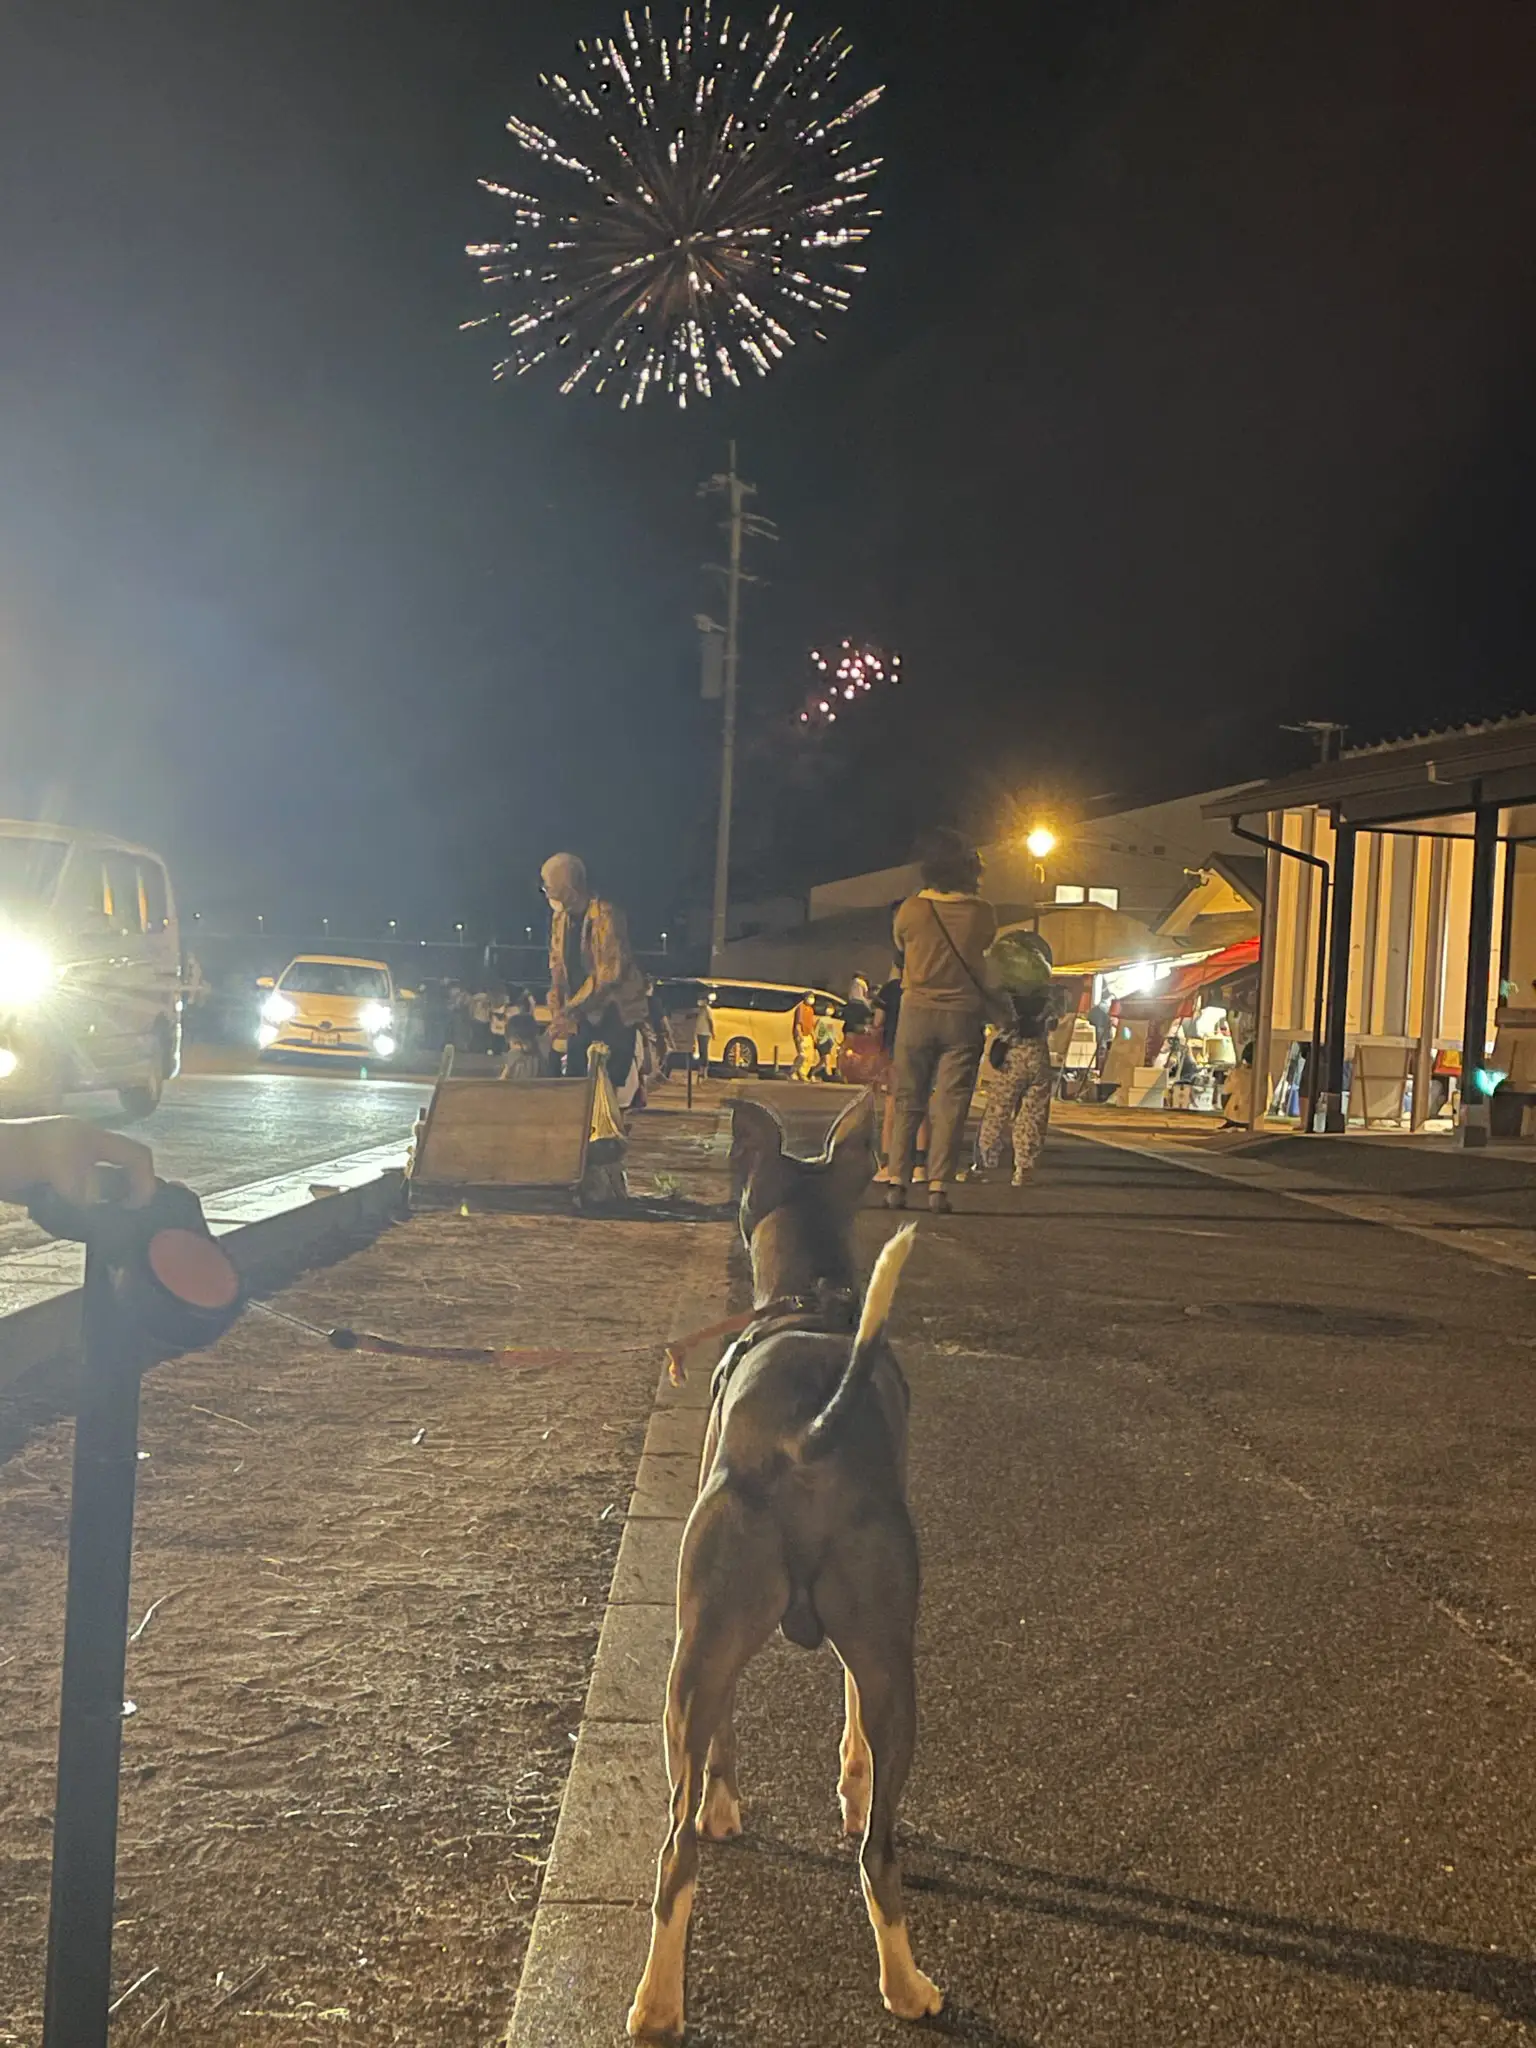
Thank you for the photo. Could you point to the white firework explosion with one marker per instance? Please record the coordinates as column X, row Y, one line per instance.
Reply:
column 702, row 201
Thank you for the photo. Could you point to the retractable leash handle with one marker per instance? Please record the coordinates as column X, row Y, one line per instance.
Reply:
column 156, row 1283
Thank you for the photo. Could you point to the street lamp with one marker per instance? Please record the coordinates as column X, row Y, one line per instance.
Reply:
column 1041, row 842
column 325, row 926
column 459, row 931
column 391, row 927
column 663, row 942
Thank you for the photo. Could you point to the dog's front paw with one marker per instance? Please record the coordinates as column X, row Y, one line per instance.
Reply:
column 655, row 2019
column 719, row 1812
column 914, row 1997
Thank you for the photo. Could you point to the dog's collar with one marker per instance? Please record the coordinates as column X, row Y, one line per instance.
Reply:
column 830, row 1308
column 832, row 1312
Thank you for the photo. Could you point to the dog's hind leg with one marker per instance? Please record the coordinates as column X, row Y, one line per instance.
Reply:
column 875, row 1639
column 732, row 1588
column 720, row 1808
column 853, row 1757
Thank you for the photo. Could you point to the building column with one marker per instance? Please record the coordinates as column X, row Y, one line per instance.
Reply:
column 1431, row 984
column 1263, row 1023
column 1341, row 914
column 1473, row 1118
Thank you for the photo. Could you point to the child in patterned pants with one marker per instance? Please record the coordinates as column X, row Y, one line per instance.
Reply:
column 1018, row 1091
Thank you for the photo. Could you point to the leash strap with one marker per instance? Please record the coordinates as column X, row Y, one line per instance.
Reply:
column 970, row 973
column 788, row 1308
column 678, row 1349
column 344, row 1339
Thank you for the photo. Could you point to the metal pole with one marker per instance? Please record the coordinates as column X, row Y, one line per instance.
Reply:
column 1474, row 1035
column 1319, row 972
column 1334, row 1116
column 736, row 490
column 79, row 1978
column 1432, row 977
column 1506, row 918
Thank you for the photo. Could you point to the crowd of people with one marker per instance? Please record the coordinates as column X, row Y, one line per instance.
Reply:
column 954, row 991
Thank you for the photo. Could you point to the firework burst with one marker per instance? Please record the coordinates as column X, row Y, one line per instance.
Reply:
column 702, row 203
column 844, row 678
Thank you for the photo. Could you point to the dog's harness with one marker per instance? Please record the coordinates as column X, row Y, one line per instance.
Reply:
column 831, row 1311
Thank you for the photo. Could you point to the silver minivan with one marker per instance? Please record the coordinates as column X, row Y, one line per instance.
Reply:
column 90, row 969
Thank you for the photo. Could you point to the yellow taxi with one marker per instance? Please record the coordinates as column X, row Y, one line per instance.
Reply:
column 330, row 1008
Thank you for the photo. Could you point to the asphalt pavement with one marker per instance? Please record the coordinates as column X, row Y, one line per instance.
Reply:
column 1228, row 1644
column 219, row 1131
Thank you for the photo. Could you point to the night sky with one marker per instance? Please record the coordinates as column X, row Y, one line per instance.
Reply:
column 1190, row 392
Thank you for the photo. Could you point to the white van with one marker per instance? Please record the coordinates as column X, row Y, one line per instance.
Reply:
column 90, row 969
column 754, row 1021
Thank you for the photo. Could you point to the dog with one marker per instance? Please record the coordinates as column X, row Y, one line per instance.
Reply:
column 801, row 1522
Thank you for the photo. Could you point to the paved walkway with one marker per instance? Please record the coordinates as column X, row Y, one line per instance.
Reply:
column 1228, row 1655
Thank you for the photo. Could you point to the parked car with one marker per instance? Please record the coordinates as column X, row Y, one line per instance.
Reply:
column 90, row 969
column 333, row 1009
column 754, row 1020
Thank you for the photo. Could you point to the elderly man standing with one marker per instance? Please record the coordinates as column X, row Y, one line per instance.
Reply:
column 596, row 991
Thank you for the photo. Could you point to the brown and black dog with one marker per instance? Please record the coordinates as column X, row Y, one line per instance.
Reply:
column 801, row 1521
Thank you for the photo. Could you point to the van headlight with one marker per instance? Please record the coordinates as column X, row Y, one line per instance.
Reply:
column 376, row 1019
column 27, row 971
column 277, row 1009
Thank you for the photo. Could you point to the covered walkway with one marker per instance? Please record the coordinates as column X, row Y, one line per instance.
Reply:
column 1400, row 903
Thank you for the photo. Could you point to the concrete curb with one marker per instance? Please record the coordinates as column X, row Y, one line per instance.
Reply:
column 590, row 1932
column 263, row 1223
column 1513, row 1248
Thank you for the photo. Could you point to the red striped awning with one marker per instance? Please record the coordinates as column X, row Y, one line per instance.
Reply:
column 1201, row 973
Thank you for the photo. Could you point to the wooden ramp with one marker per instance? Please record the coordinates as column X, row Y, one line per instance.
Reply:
column 498, row 1142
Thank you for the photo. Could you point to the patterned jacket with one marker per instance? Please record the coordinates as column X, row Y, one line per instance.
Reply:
column 609, row 972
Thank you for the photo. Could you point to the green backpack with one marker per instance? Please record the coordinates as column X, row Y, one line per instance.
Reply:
column 1020, row 961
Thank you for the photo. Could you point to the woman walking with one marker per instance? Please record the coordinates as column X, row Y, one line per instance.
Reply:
column 942, row 935
column 1019, row 1089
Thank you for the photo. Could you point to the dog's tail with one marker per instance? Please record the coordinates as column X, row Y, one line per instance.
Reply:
column 823, row 1432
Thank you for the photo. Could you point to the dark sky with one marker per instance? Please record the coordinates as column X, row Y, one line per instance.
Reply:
column 1190, row 391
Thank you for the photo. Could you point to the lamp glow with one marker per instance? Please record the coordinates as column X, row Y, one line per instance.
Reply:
column 1041, row 842
column 26, row 971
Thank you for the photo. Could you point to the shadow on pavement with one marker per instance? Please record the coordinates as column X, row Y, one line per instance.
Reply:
column 1362, row 1955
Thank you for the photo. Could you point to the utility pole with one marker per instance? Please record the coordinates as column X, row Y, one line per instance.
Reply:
column 738, row 525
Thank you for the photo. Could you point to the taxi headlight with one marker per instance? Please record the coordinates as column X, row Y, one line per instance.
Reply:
column 384, row 1046
column 376, row 1018
column 8, row 1063
column 277, row 1009
column 26, row 971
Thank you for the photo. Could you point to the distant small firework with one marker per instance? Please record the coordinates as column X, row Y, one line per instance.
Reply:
column 845, row 678
column 705, row 203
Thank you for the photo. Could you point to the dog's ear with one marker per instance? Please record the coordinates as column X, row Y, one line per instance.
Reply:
column 756, row 1137
column 852, row 1148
